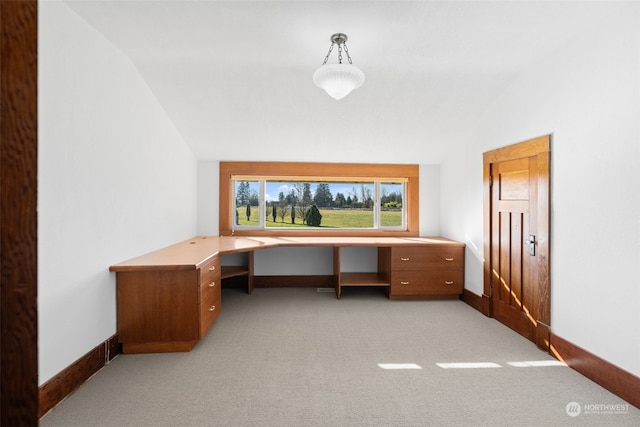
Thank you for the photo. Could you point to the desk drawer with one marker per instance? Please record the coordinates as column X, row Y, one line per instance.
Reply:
column 210, row 289
column 436, row 282
column 210, row 271
column 209, row 310
column 431, row 258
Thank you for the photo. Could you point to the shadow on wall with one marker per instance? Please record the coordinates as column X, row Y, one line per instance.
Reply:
column 473, row 260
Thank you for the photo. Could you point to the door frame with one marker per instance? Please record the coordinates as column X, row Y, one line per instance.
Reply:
column 541, row 148
column 19, row 213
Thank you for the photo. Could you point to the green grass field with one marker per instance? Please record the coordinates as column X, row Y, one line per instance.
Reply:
column 330, row 219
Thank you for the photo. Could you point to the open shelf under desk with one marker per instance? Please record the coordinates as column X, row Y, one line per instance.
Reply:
column 364, row 279
column 233, row 271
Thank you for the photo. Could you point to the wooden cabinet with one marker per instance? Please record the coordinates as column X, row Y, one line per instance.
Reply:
column 427, row 271
column 167, row 309
column 428, row 268
column 168, row 299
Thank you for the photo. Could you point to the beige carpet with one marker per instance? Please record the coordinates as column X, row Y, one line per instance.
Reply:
column 298, row 357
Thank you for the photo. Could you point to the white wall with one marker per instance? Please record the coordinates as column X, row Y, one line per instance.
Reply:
column 587, row 95
column 115, row 181
column 429, row 200
column 208, row 190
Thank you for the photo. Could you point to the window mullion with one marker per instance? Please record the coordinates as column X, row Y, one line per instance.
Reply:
column 262, row 205
column 404, row 205
column 376, row 205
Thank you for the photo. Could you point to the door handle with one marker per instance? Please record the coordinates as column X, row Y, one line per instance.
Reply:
column 532, row 244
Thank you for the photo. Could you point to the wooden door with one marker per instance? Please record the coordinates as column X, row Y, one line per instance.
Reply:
column 512, row 222
column 517, row 280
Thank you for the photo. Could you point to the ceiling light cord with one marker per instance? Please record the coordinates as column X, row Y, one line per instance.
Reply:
column 340, row 40
column 326, row 58
column 346, row 51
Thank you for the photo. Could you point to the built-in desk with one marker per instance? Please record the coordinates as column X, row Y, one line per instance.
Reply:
column 168, row 299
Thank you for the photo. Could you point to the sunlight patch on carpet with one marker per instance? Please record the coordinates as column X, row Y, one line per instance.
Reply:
column 468, row 365
column 399, row 366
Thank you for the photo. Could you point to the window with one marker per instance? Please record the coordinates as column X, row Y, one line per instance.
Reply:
column 318, row 199
column 323, row 205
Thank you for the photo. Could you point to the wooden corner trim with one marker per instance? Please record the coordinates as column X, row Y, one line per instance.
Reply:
column 68, row 380
column 618, row 381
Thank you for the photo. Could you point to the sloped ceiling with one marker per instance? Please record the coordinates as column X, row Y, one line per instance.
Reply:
column 235, row 76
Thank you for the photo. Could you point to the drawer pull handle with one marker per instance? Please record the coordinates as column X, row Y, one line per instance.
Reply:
column 212, row 268
column 212, row 308
column 405, row 259
column 449, row 259
column 404, row 283
column 212, row 284
column 448, row 282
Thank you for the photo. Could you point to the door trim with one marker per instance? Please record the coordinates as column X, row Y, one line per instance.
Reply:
column 19, row 213
column 540, row 147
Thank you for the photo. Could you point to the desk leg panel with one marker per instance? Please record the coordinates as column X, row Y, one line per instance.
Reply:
column 158, row 307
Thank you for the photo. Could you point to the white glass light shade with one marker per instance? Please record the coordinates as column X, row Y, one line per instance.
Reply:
column 338, row 79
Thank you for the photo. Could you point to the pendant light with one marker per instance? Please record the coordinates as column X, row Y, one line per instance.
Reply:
column 338, row 80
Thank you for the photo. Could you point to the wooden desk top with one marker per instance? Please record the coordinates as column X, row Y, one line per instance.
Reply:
column 191, row 253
